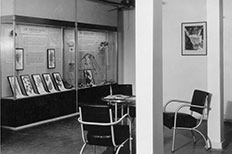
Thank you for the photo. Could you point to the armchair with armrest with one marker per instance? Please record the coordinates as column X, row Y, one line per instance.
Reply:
column 184, row 121
column 99, row 129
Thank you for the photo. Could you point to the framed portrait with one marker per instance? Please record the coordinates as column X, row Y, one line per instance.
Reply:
column 58, row 80
column 15, row 88
column 38, row 83
column 51, row 63
column 194, row 38
column 19, row 59
column 26, row 81
column 89, row 80
column 48, row 82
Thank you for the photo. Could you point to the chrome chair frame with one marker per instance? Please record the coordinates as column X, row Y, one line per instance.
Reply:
column 111, row 124
column 193, row 129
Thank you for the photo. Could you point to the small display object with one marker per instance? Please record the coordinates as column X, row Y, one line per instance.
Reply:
column 38, row 84
column 51, row 58
column 194, row 41
column 88, row 78
column 19, row 61
column 15, row 88
column 58, row 80
column 48, row 82
column 26, row 81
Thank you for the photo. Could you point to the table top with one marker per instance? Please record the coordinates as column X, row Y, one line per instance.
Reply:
column 119, row 98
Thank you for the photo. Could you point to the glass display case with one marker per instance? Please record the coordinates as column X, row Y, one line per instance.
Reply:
column 38, row 77
column 97, row 57
column 42, row 68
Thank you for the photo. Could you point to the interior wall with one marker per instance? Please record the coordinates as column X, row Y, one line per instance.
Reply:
column 227, row 5
column 7, row 7
column 181, row 74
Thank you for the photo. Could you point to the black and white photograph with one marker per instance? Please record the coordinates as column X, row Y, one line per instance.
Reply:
column 51, row 59
column 27, row 84
column 15, row 88
column 116, row 76
column 39, row 83
column 19, row 59
column 48, row 82
column 58, row 80
column 194, row 38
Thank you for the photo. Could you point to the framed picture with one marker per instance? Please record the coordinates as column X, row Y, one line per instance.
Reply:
column 58, row 80
column 88, row 77
column 15, row 88
column 51, row 63
column 38, row 84
column 194, row 38
column 26, row 81
column 48, row 82
column 19, row 59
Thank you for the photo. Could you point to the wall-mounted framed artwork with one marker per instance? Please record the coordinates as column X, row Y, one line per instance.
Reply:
column 51, row 59
column 48, row 82
column 15, row 87
column 38, row 83
column 58, row 80
column 27, row 84
column 194, row 38
column 19, row 59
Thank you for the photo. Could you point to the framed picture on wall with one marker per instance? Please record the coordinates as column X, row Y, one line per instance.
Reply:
column 38, row 84
column 15, row 88
column 51, row 63
column 48, row 82
column 26, row 81
column 19, row 59
column 194, row 38
column 58, row 80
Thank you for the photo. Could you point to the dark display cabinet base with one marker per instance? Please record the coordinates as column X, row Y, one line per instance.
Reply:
column 27, row 110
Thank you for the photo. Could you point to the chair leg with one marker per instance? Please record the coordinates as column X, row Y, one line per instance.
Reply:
column 82, row 149
column 173, row 139
column 194, row 137
column 207, row 142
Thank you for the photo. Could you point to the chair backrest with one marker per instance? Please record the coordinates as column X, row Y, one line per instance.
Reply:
column 98, row 114
column 199, row 98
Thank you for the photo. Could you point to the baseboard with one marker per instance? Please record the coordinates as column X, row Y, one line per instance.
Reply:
column 218, row 145
column 40, row 122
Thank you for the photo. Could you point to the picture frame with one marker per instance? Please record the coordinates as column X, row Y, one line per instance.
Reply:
column 27, row 84
column 19, row 59
column 51, row 63
column 194, row 38
column 59, row 81
column 48, row 82
column 38, row 83
column 88, row 76
column 15, row 88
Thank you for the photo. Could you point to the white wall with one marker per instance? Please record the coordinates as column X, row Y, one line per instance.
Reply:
column 86, row 12
column 181, row 74
column 7, row 7
column 227, row 58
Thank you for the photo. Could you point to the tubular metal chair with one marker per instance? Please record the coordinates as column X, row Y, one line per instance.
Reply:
column 184, row 121
column 99, row 129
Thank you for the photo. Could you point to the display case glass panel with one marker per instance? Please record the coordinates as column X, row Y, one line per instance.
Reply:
column 97, row 58
column 29, row 49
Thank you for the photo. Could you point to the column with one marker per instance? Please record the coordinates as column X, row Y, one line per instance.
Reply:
column 215, row 72
column 149, row 128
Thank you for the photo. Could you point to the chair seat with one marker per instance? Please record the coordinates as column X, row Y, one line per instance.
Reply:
column 121, row 133
column 183, row 120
